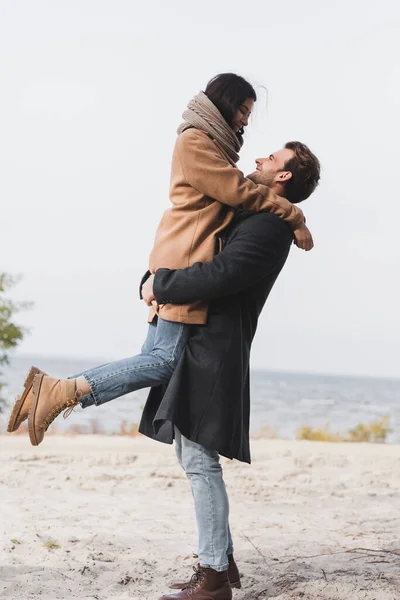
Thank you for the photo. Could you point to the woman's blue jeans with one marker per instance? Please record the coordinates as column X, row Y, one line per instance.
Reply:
column 153, row 366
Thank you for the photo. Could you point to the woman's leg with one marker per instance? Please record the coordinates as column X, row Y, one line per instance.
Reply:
column 110, row 381
column 204, row 471
column 148, row 344
column 89, row 400
column 150, row 368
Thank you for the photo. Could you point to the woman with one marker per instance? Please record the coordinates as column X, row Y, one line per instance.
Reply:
column 206, row 187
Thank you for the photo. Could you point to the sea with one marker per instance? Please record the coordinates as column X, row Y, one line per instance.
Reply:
column 281, row 403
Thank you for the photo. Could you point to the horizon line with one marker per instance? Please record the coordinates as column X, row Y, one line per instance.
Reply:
column 103, row 360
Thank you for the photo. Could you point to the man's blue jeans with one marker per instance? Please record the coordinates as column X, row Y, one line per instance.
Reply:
column 153, row 366
column 211, row 503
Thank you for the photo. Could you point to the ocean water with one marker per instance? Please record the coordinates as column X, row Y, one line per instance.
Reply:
column 282, row 401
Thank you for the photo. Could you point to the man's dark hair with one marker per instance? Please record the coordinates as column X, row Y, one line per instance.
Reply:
column 228, row 91
column 305, row 169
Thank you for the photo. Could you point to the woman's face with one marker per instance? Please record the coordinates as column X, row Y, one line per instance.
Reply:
column 241, row 117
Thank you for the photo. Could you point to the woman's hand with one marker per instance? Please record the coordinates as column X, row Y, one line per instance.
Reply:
column 303, row 238
column 147, row 291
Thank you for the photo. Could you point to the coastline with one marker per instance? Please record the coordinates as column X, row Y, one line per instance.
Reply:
column 283, row 402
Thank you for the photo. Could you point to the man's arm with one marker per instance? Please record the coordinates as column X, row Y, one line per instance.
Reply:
column 207, row 171
column 260, row 245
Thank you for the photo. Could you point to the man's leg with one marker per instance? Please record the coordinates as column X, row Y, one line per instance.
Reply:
column 178, row 446
column 230, row 542
column 212, row 511
column 181, row 449
column 204, row 471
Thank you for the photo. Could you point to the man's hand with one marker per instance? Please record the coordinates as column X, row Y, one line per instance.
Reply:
column 147, row 291
column 303, row 238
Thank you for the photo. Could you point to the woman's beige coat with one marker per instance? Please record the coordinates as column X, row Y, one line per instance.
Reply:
column 205, row 191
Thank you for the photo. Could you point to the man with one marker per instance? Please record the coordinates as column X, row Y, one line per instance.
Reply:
column 206, row 405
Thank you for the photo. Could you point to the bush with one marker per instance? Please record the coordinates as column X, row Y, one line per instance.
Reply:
column 318, row 435
column 375, row 432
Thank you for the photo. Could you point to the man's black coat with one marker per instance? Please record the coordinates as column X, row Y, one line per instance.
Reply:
column 208, row 396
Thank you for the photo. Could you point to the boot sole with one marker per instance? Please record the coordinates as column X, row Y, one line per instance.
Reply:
column 37, row 384
column 19, row 403
column 237, row 585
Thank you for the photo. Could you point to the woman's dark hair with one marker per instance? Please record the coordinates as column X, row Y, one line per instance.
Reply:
column 228, row 91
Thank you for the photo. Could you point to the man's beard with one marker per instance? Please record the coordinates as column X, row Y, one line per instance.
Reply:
column 260, row 178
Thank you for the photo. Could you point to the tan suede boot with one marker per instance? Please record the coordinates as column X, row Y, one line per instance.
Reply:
column 233, row 576
column 206, row 584
column 23, row 403
column 50, row 398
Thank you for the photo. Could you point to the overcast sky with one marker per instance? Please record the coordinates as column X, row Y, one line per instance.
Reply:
column 91, row 95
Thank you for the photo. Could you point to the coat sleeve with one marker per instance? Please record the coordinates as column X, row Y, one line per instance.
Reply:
column 206, row 170
column 248, row 257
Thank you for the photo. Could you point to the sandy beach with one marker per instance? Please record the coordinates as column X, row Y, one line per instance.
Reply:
column 112, row 517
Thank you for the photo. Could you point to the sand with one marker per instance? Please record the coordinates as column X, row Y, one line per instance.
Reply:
column 310, row 520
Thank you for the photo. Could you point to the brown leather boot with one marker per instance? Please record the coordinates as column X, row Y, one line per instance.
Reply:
column 233, row 576
column 233, row 573
column 50, row 398
column 23, row 403
column 205, row 584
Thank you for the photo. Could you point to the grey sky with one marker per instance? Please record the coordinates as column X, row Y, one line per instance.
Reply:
column 91, row 96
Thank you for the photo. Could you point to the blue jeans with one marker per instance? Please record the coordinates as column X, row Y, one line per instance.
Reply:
column 211, row 503
column 153, row 366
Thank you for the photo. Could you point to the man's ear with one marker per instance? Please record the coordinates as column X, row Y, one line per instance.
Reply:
column 284, row 176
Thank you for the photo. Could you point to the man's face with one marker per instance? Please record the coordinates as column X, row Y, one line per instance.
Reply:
column 270, row 171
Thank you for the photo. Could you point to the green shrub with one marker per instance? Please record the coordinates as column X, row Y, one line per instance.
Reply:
column 374, row 432
column 321, row 434
column 10, row 333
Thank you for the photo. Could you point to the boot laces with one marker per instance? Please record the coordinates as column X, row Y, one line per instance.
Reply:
column 195, row 580
column 70, row 410
column 70, row 403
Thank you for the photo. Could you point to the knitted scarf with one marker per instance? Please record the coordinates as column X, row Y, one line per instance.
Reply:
column 202, row 114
